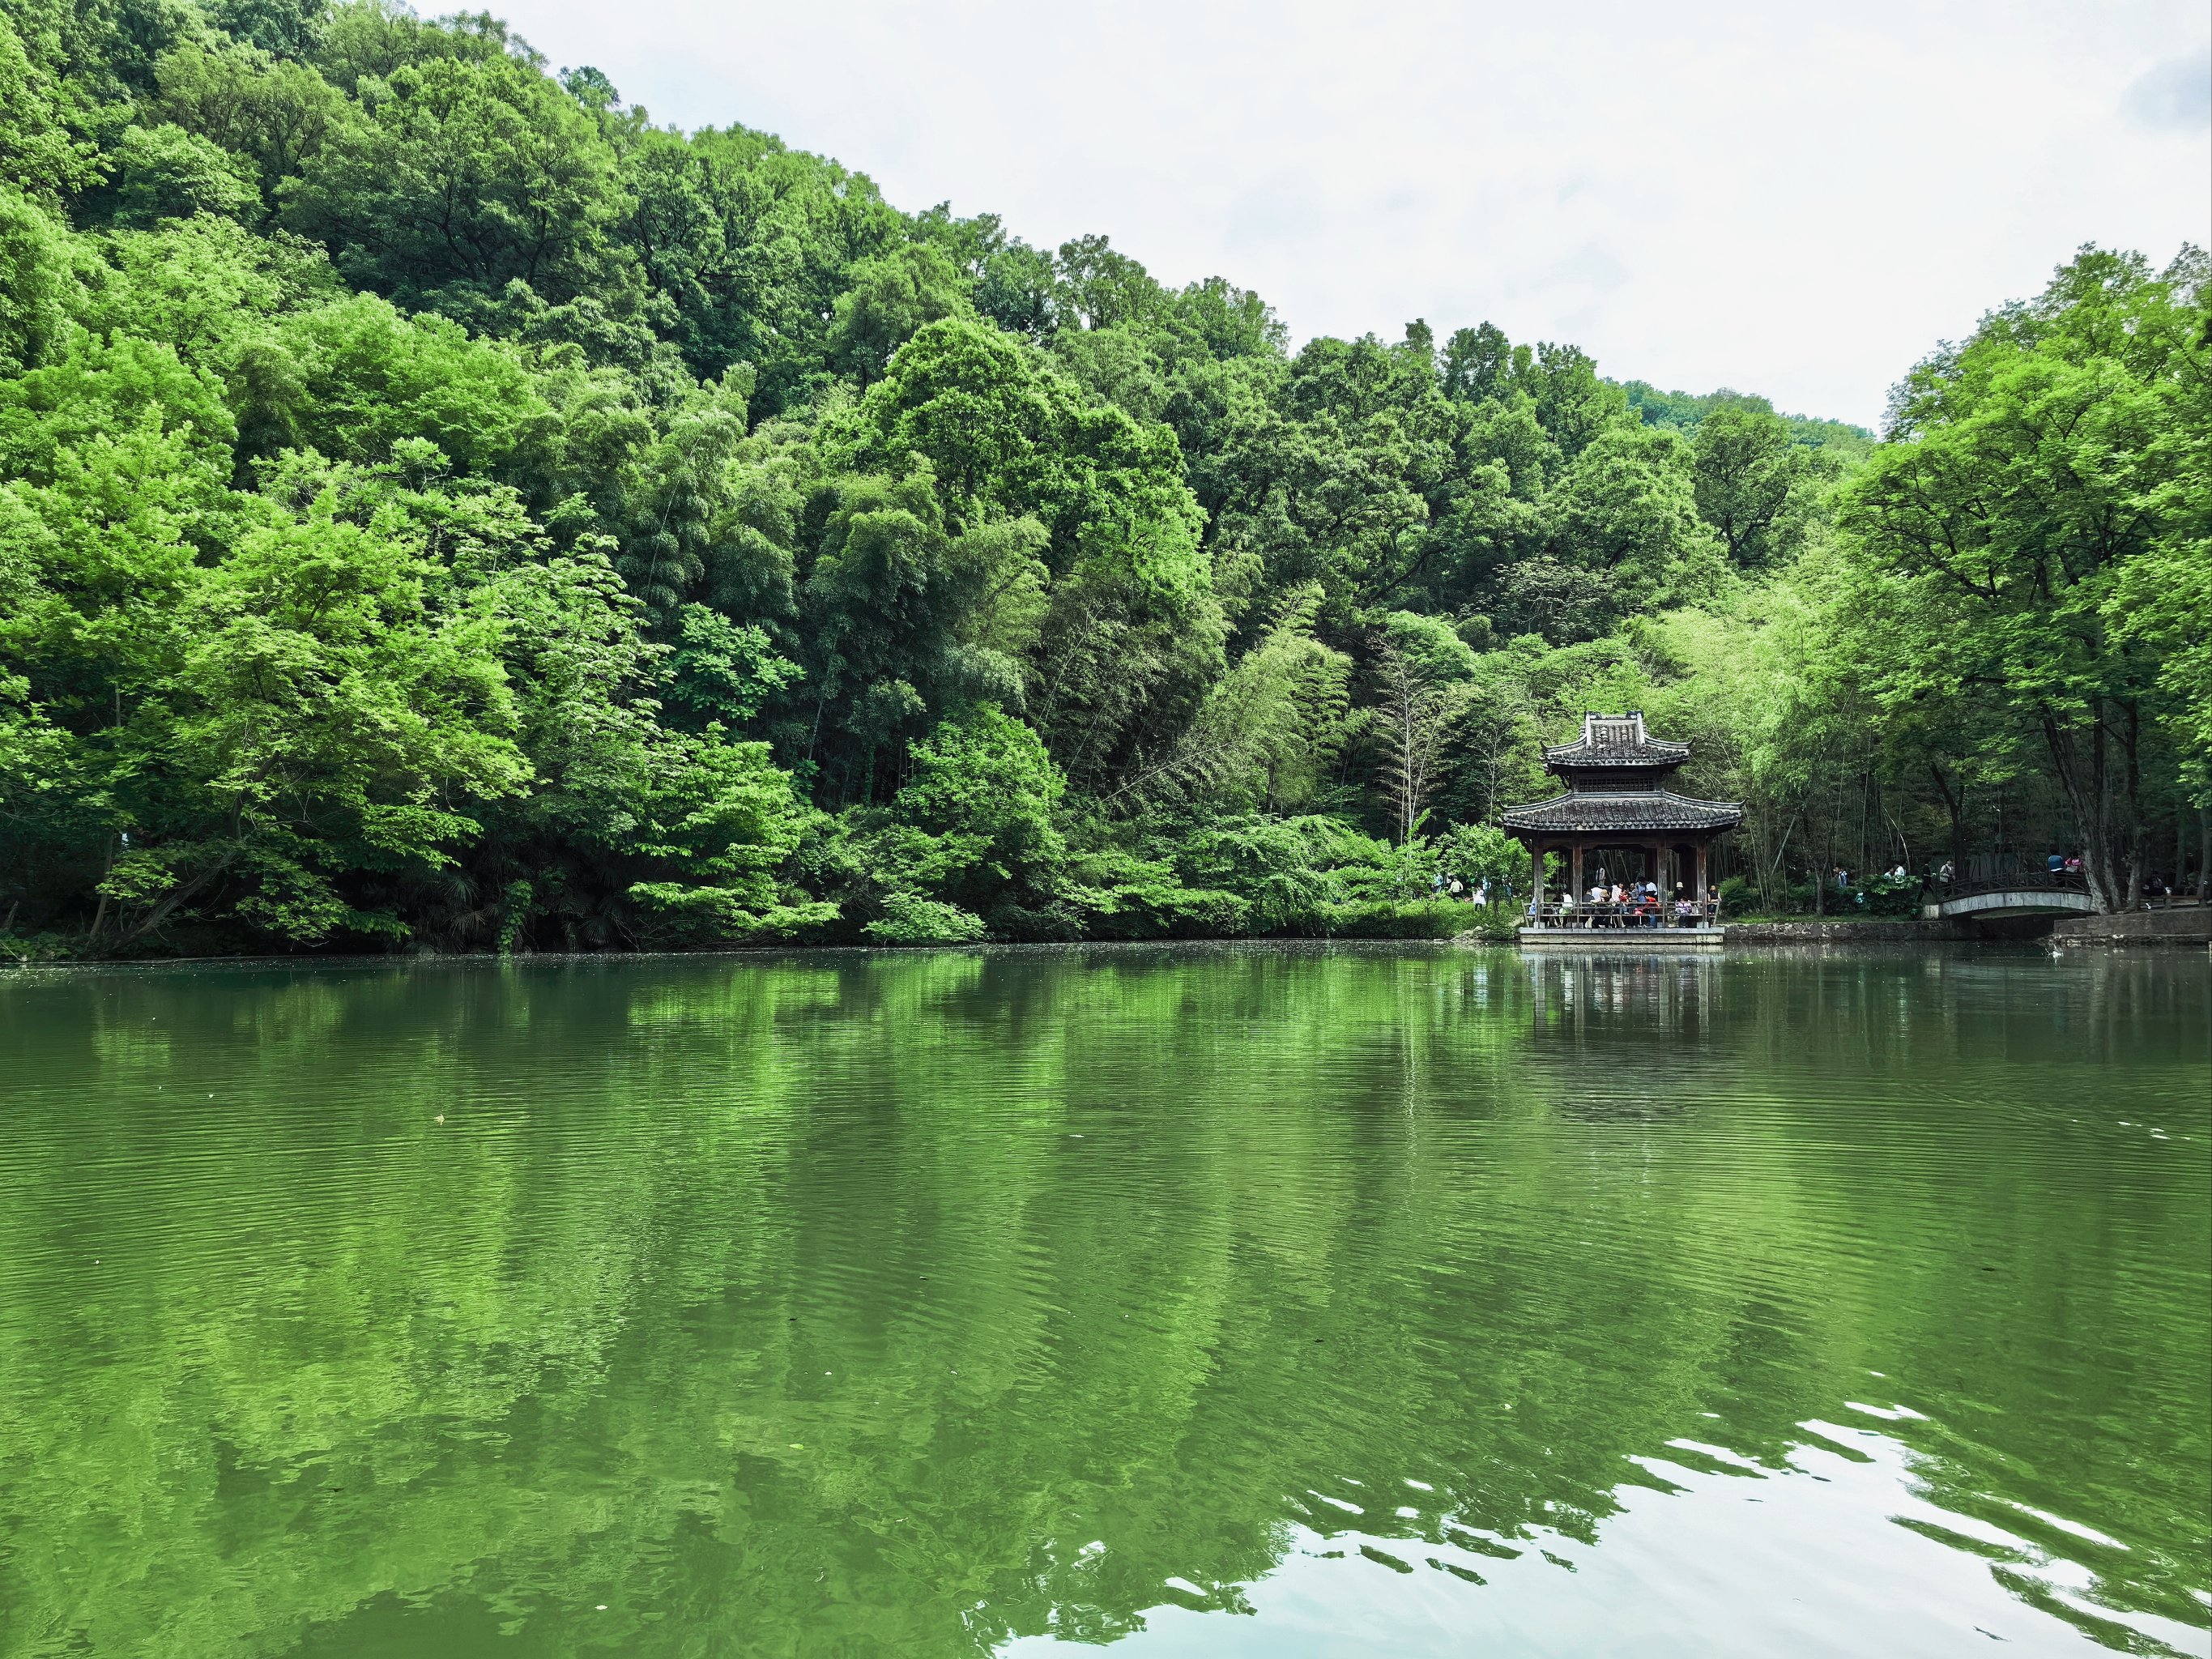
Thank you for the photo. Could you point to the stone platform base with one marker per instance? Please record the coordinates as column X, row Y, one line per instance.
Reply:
column 1623, row 941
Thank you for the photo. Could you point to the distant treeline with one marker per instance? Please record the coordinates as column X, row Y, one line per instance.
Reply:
column 440, row 508
column 1685, row 411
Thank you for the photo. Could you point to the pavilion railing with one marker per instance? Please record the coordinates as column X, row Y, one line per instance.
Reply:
column 1645, row 913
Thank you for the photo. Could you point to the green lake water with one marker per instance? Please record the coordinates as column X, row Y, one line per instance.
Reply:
column 1220, row 1301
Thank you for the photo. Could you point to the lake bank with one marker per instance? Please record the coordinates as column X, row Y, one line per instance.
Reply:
column 2142, row 929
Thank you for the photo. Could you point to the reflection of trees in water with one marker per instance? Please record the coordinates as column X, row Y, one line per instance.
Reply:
column 840, row 1302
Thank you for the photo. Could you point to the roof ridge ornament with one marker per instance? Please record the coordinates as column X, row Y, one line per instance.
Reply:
column 1611, row 742
column 1611, row 730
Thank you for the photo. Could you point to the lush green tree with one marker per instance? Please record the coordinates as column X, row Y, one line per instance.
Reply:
column 284, row 28
column 464, row 174
column 1754, row 484
column 1269, row 732
column 891, row 297
column 2036, row 465
column 754, row 244
column 1626, row 510
column 165, row 173
column 973, row 837
column 1484, row 855
column 277, row 114
column 44, row 151
column 1686, row 412
column 1426, row 685
column 356, row 379
column 35, row 285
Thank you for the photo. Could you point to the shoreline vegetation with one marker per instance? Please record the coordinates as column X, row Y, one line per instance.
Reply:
column 441, row 511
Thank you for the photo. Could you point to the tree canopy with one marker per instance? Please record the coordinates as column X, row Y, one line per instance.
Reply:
column 441, row 508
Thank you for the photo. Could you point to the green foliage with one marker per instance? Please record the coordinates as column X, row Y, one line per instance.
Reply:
column 358, row 379
column 910, row 919
column 974, row 824
column 44, row 151
column 287, row 28
column 443, row 509
column 1688, row 412
column 725, row 670
column 35, row 283
column 719, row 823
column 461, row 175
column 2038, row 468
column 1270, row 727
column 165, row 172
column 1754, row 484
column 273, row 114
column 1482, row 853
column 891, row 297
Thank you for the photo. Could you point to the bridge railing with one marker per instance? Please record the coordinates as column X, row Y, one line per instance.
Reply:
column 2017, row 881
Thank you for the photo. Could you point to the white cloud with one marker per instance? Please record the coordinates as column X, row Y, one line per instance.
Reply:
column 1765, row 197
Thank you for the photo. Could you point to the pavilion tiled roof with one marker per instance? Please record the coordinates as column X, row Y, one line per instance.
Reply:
column 1649, row 808
column 1609, row 740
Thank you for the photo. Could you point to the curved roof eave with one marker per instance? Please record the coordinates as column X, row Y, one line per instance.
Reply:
column 1650, row 752
column 1580, row 813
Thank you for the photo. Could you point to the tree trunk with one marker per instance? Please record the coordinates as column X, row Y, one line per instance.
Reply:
column 1956, row 806
column 2090, row 795
column 1771, row 875
column 2137, row 832
column 171, row 901
column 1866, row 815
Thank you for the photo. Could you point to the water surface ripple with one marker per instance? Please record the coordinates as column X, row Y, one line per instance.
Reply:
column 1238, row 1301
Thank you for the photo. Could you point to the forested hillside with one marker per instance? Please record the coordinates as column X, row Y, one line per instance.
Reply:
column 440, row 508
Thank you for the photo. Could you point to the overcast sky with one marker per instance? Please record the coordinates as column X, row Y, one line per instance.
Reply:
column 1782, row 199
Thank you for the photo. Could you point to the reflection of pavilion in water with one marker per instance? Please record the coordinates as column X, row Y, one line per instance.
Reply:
column 1625, row 998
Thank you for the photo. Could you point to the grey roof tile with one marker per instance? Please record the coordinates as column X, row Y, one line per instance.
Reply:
column 1610, row 741
column 1650, row 808
column 1652, row 751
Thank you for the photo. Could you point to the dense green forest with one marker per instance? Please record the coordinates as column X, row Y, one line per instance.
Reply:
column 440, row 508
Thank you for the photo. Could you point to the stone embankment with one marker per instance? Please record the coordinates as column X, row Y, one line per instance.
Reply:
column 2186, row 925
column 1854, row 930
column 2183, row 924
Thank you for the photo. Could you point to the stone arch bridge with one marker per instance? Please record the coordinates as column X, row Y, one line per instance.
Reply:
column 2020, row 896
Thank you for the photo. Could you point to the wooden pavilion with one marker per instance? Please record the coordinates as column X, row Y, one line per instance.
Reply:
column 1617, row 805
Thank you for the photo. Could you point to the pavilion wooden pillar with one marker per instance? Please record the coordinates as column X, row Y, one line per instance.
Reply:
column 1578, row 877
column 1702, row 843
column 1536, row 878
